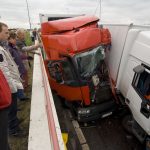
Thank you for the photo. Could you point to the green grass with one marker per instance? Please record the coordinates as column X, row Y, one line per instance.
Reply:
column 28, row 40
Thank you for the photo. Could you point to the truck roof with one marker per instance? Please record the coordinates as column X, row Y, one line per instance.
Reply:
column 68, row 24
column 51, row 17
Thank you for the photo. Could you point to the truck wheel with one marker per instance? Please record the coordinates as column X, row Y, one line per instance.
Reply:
column 127, row 123
column 148, row 143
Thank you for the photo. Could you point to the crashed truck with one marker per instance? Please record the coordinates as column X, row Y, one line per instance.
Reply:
column 83, row 70
column 75, row 50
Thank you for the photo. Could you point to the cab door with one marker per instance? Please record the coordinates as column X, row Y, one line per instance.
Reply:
column 64, row 80
column 138, row 96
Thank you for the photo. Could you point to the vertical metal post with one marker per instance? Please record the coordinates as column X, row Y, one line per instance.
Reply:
column 100, row 11
column 28, row 14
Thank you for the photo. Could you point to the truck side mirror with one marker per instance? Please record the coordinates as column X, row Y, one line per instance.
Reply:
column 139, row 69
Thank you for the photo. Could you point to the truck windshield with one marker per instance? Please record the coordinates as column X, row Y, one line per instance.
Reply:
column 87, row 62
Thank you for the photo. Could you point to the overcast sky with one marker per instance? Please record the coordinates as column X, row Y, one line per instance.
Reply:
column 14, row 12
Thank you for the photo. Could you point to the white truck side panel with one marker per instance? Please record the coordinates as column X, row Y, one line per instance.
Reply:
column 118, row 33
column 124, row 72
column 138, row 53
column 138, row 46
column 141, row 48
column 127, row 75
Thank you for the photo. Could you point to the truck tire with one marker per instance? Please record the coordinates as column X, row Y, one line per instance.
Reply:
column 127, row 123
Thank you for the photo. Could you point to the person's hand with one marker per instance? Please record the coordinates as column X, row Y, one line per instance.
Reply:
column 40, row 44
column 37, row 45
column 37, row 53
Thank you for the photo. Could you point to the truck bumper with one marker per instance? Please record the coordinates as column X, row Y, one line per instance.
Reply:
column 96, row 111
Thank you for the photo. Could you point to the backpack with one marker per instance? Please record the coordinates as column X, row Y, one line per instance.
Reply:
column 5, row 93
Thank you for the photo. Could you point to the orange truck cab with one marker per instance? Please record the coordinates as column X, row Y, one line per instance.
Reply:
column 75, row 49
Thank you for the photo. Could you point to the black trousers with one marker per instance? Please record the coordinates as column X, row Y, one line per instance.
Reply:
column 4, row 129
column 13, row 122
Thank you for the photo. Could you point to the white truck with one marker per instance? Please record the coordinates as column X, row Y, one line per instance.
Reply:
column 129, row 66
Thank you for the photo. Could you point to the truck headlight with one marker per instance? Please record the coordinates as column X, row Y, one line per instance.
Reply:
column 95, row 80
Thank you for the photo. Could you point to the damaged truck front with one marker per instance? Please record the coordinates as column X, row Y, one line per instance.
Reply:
column 75, row 50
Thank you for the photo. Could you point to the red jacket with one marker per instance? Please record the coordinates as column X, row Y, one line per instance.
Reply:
column 5, row 93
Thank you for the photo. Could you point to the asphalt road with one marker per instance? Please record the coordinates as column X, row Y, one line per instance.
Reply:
column 108, row 134
column 104, row 134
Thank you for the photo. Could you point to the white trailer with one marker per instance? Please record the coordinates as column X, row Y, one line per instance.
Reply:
column 129, row 65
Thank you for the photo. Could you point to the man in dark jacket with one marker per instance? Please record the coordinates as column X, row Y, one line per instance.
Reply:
column 18, row 60
column 15, row 53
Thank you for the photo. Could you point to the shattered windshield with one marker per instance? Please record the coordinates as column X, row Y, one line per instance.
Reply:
column 88, row 61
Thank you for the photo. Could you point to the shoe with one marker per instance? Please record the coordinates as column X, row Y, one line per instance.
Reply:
column 24, row 99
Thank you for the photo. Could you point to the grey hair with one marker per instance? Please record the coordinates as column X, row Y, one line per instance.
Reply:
column 19, row 31
column 1, row 25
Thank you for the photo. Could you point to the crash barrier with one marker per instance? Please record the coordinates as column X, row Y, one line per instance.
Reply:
column 44, row 130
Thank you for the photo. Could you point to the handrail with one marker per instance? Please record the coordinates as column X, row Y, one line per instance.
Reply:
column 57, row 143
column 43, row 113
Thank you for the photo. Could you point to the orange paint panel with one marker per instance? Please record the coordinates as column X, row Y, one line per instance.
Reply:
column 86, row 95
column 68, row 92
column 81, row 33
column 62, row 25
column 106, row 36
column 71, row 42
column 46, row 45
column 147, row 97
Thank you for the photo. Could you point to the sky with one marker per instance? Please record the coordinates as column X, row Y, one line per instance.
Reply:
column 15, row 14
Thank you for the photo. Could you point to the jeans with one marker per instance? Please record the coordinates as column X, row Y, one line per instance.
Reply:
column 4, row 129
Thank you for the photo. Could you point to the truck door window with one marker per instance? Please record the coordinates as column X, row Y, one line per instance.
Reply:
column 141, row 83
column 67, row 71
column 51, row 70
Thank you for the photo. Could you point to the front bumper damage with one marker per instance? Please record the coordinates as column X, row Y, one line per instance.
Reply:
column 96, row 111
